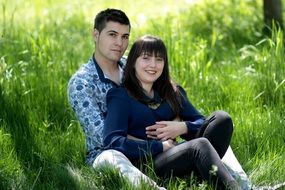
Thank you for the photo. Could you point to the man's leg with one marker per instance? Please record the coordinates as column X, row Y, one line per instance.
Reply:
column 127, row 169
column 235, row 168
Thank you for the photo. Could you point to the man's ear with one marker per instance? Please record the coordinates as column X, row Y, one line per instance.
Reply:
column 95, row 34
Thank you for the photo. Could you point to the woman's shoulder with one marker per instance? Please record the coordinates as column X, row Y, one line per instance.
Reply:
column 118, row 92
column 177, row 87
column 181, row 91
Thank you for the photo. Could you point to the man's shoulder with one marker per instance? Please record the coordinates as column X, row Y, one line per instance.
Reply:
column 85, row 73
column 85, row 70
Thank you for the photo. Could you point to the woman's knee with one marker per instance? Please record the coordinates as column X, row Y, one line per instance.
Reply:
column 224, row 118
column 203, row 149
column 223, row 115
column 202, row 143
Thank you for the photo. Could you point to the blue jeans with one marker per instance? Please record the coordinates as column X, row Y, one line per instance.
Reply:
column 202, row 153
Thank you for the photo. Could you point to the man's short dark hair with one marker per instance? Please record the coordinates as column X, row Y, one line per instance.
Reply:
column 107, row 15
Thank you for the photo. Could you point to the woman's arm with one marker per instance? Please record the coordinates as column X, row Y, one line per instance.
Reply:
column 189, row 114
column 189, row 120
column 115, row 133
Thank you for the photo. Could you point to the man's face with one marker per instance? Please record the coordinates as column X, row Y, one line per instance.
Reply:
column 112, row 41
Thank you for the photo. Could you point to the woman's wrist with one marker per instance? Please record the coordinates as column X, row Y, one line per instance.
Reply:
column 184, row 129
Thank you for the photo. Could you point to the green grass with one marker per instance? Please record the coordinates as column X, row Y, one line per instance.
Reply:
column 216, row 50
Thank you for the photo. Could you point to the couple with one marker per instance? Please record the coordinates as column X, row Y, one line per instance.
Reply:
column 138, row 120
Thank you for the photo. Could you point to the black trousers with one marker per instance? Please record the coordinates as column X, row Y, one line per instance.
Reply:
column 201, row 154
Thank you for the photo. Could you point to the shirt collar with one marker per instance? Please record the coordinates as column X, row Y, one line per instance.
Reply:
column 155, row 99
column 154, row 102
column 102, row 77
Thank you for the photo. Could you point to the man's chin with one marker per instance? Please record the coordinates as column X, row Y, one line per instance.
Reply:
column 117, row 58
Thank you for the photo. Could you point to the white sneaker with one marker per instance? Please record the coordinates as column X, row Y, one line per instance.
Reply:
column 267, row 187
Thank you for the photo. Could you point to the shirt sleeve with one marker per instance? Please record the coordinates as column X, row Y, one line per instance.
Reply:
column 81, row 97
column 116, row 128
column 192, row 117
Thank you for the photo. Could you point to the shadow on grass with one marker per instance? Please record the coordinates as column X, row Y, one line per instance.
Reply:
column 39, row 172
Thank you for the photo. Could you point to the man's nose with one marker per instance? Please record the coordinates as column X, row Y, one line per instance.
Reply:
column 119, row 41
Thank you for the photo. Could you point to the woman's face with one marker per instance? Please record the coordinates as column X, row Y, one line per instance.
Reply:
column 148, row 68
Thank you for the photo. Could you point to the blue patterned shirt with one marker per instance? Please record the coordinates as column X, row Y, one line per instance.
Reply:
column 87, row 90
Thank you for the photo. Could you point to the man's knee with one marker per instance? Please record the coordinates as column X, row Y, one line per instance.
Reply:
column 110, row 157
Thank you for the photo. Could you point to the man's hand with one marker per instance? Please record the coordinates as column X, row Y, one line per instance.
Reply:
column 164, row 130
column 167, row 144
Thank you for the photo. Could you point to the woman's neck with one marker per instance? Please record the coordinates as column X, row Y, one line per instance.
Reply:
column 148, row 90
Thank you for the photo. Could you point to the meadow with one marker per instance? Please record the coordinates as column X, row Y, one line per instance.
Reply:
column 217, row 52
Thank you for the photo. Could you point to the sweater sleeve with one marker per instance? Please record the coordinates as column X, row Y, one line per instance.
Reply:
column 192, row 117
column 116, row 128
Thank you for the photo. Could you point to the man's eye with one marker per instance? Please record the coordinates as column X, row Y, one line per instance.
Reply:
column 126, row 37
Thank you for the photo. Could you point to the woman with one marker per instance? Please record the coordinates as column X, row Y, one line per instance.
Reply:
column 148, row 98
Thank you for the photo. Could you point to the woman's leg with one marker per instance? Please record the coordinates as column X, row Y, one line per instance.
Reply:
column 195, row 155
column 218, row 129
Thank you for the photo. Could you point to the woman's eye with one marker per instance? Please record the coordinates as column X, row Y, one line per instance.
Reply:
column 144, row 56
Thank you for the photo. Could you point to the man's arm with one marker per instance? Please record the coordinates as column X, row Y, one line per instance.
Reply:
column 81, row 97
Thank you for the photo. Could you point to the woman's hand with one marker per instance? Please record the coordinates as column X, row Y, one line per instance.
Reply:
column 164, row 130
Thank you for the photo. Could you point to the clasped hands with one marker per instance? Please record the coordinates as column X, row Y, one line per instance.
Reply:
column 166, row 131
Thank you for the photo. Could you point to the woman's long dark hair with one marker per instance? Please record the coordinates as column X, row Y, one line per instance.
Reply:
column 154, row 46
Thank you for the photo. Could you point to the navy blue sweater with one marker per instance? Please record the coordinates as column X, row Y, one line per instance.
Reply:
column 127, row 116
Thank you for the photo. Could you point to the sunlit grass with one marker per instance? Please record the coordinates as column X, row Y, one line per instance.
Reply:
column 216, row 51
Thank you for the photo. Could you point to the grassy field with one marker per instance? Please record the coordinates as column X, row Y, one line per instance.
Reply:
column 217, row 52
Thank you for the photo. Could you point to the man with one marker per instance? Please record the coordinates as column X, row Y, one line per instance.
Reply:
column 88, row 87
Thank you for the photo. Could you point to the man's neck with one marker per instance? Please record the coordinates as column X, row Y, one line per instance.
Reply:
column 109, row 68
column 106, row 65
